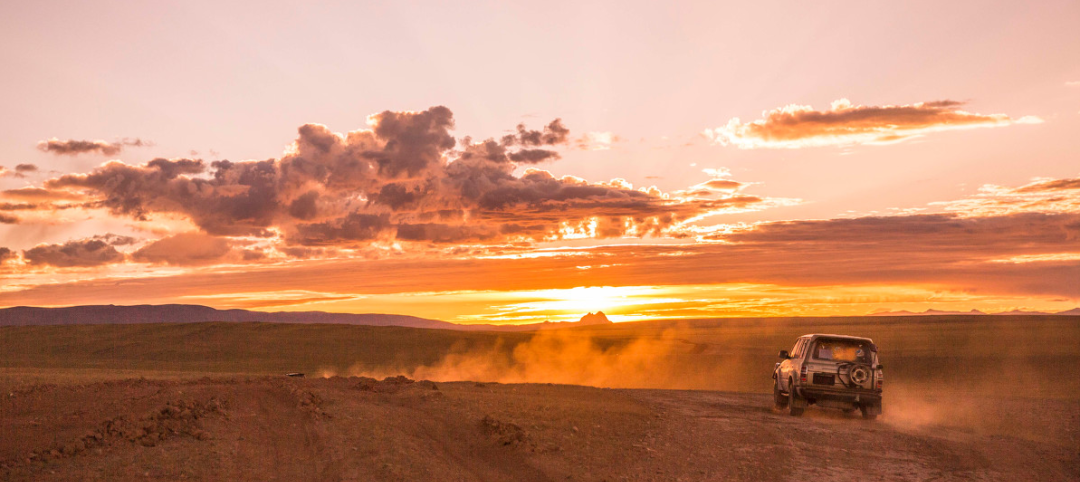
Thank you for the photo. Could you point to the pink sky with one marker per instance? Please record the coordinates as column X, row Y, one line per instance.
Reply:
column 921, row 129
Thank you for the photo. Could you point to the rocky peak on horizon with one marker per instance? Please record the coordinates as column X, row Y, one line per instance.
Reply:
column 598, row 318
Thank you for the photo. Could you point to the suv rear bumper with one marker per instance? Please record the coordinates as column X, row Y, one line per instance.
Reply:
column 865, row 397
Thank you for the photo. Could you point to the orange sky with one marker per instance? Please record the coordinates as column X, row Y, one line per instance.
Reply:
column 468, row 165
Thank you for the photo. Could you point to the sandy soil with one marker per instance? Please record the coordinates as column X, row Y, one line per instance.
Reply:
column 279, row 428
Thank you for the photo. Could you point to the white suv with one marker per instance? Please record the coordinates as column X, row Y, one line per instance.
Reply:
column 832, row 371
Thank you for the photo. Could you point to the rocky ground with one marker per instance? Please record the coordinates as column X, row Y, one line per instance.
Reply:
column 278, row 428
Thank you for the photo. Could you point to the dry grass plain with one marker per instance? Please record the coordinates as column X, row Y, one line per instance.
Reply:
column 965, row 398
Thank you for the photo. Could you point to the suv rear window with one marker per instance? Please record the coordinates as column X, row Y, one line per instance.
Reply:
column 842, row 350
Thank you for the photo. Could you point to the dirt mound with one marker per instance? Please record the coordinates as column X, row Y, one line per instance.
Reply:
column 392, row 384
column 503, row 433
column 308, row 401
column 179, row 418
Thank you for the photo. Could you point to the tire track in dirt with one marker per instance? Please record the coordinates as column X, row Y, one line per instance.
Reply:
column 830, row 445
column 271, row 428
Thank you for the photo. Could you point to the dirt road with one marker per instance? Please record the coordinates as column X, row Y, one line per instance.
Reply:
column 359, row 429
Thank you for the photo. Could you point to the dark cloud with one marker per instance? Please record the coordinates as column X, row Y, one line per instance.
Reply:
column 72, row 147
column 349, row 230
column 406, row 177
column 20, row 170
column 38, row 194
column 95, row 251
column 238, row 199
column 185, row 249
column 414, row 141
column 301, row 252
column 843, row 124
column 6, row 254
column 552, row 134
column 533, row 156
column 8, row 219
column 1051, row 185
column 305, row 206
column 19, row 206
column 722, row 185
column 937, row 252
column 252, row 255
column 929, row 233
column 1043, row 195
column 446, row 233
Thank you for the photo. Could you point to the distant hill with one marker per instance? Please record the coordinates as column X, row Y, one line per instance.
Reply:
column 589, row 319
column 175, row 313
column 925, row 313
column 126, row 315
column 1072, row 312
column 1022, row 312
column 112, row 314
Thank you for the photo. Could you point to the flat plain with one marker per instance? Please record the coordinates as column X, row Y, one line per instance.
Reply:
column 966, row 397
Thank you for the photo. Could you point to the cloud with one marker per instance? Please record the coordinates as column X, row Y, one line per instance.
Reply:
column 597, row 141
column 88, row 252
column 1026, row 251
column 73, row 147
column 40, row 205
column 350, row 228
column 722, row 185
column 940, row 253
column 1073, row 83
column 39, row 194
column 185, row 249
column 885, row 235
column 6, row 254
column 405, row 178
column 1041, row 195
column 797, row 126
column 1049, row 185
column 552, row 134
column 20, row 170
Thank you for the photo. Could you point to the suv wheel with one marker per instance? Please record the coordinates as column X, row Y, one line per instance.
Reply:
column 779, row 399
column 793, row 408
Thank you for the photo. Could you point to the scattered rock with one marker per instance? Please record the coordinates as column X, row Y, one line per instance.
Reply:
column 310, row 402
column 503, row 433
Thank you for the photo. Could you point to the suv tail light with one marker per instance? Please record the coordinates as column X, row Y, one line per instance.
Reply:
column 879, row 384
column 802, row 374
